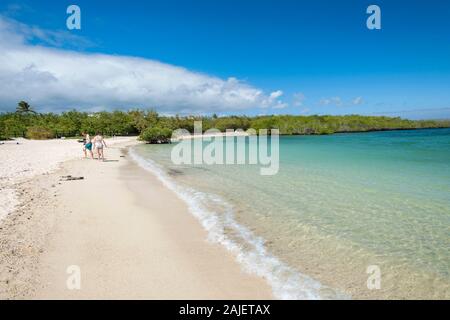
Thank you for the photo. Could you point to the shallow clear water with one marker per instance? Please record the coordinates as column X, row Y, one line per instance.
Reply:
column 338, row 204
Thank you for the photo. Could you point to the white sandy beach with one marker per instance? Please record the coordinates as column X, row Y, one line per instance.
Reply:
column 129, row 235
column 24, row 159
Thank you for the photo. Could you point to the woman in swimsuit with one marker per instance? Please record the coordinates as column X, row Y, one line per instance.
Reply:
column 99, row 142
column 87, row 145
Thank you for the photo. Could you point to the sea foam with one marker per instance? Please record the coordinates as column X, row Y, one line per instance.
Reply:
column 249, row 249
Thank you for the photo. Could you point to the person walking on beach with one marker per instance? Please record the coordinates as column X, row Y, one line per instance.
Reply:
column 99, row 142
column 87, row 145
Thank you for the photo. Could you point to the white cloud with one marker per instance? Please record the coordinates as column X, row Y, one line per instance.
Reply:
column 357, row 101
column 299, row 98
column 280, row 105
column 276, row 94
column 55, row 79
column 272, row 100
column 337, row 101
column 14, row 33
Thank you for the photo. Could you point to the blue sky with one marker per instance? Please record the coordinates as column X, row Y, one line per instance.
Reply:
column 318, row 54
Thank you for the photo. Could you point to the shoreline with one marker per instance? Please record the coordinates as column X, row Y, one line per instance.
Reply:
column 248, row 248
column 126, row 244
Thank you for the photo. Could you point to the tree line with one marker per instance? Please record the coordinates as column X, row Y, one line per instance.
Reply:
column 152, row 127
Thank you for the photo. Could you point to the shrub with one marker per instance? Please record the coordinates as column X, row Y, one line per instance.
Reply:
column 2, row 132
column 39, row 133
column 325, row 130
column 156, row 135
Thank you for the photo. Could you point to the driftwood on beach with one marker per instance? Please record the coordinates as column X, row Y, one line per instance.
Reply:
column 70, row 178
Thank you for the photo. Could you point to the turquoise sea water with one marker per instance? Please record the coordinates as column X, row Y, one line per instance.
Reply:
column 338, row 204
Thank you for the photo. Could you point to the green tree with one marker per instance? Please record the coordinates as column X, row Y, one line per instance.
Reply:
column 24, row 108
column 71, row 123
column 156, row 135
